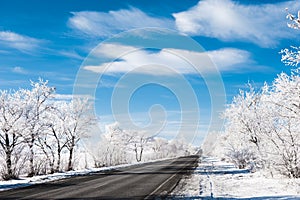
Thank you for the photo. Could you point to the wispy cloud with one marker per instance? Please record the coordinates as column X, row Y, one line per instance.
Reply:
column 132, row 59
column 71, row 54
column 71, row 96
column 17, row 41
column 15, row 83
column 4, row 52
column 230, row 21
column 228, row 59
column 19, row 70
column 103, row 24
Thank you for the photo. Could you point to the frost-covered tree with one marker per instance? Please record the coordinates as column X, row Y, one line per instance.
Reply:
column 11, row 112
column 294, row 20
column 53, row 138
column 35, row 104
column 113, row 147
column 291, row 57
column 78, row 122
column 45, row 144
column 56, row 120
column 119, row 146
column 285, row 137
column 138, row 143
column 159, row 147
column 243, row 126
column 263, row 127
column 35, row 128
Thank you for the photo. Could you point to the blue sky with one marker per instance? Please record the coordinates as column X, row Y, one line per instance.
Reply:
column 63, row 40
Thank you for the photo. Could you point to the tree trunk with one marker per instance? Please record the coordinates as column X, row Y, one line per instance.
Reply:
column 31, row 165
column 71, row 149
column 51, row 164
column 9, row 173
column 52, row 161
column 58, row 159
column 141, row 154
column 70, row 159
column 138, row 154
column 8, row 164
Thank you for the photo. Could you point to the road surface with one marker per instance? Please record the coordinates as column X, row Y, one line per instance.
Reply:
column 148, row 181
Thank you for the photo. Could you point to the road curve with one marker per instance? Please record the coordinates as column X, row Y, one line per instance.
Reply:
column 147, row 181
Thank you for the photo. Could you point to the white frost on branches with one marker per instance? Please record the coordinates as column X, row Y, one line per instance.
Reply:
column 119, row 146
column 263, row 127
column 35, row 129
column 291, row 57
column 295, row 20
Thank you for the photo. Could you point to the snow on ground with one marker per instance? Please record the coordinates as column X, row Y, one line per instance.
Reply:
column 27, row 181
column 215, row 179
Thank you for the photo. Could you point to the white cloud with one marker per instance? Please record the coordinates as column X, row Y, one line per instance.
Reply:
column 230, row 58
column 163, row 62
column 19, row 70
column 71, row 96
column 112, row 50
column 63, row 96
column 71, row 54
column 17, row 41
column 102, row 24
column 226, row 20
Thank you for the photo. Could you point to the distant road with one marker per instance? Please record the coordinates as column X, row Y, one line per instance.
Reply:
column 146, row 181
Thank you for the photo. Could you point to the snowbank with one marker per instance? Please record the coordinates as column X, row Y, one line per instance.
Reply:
column 213, row 178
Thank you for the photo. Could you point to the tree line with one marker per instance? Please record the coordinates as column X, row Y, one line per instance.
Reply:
column 119, row 146
column 38, row 131
column 262, row 125
column 34, row 125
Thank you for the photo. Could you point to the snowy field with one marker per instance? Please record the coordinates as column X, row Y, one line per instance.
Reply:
column 215, row 179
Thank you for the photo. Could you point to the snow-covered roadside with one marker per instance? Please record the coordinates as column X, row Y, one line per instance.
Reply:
column 27, row 181
column 215, row 179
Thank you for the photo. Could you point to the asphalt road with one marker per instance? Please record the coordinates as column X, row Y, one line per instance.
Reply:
column 148, row 181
